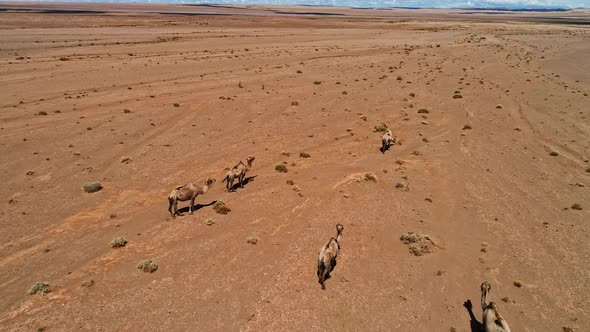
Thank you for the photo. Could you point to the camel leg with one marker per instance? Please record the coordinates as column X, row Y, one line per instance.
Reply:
column 170, row 208
column 242, row 180
column 176, row 208
column 190, row 208
column 230, row 184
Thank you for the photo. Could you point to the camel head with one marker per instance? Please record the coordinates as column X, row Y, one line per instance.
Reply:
column 339, row 228
column 485, row 287
column 249, row 160
column 210, row 181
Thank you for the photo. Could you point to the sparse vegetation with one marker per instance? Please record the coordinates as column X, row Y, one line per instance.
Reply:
column 317, row 82
column 221, row 208
column 576, row 206
column 418, row 244
column 126, row 110
column 304, row 155
column 423, row 111
column 91, row 187
column 209, row 222
column 294, row 103
column 281, row 168
column 467, row 127
column 118, row 242
column 39, row 287
column 252, row 240
column 517, row 284
column 380, row 127
column 147, row 265
column 63, row 58
column 554, row 153
column 126, row 160
column 457, row 96
column 42, row 113
column 176, row 105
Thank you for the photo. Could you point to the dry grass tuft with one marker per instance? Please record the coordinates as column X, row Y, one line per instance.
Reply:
column 91, row 187
column 147, row 265
column 252, row 240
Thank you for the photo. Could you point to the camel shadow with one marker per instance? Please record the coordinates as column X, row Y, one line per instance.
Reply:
column 196, row 207
column 245, row 182
column 476, row 326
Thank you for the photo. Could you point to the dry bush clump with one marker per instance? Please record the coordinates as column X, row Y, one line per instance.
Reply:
column 467, row 127
column 209, row 222
column 126, row 110
column 252, row 240
column 39, row 287
column 576, row 206
column 118, row 242
column 281, row 168
column 42, row 113
column 423, row 110
column 418, row 244
column 380, row 127
column 91, row 187
column 221, row 208
column 147, row 265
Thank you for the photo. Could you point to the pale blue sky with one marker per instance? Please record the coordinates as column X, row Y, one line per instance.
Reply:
column 512, row 4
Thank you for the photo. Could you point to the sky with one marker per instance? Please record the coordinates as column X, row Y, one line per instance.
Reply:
column 510, row 4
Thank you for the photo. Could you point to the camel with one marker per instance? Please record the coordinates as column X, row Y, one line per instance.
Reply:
column 327, row 258
column 492, row 321
column 387, row 140
column 186, row 192
column 238, row 171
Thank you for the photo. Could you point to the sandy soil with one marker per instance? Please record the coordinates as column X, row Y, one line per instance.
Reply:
column 495, row 198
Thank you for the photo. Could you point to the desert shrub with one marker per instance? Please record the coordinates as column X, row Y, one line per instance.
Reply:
column 39, row 287
column 147, row 265
column 370, row 177
column 252, row 240
column 126, row 110
column 221, row 208
column 418, row 244
column 304, row 155
column 118, row 242
column 91, row 187
column 281, row 168
column 423, row 110
column 380, row 127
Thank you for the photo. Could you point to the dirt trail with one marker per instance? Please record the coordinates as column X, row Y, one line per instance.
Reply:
column 474, row 173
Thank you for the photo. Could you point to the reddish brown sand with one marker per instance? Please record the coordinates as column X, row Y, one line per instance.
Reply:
column 493, row 199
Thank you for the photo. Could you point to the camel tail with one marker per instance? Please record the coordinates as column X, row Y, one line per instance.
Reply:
column 225, row 179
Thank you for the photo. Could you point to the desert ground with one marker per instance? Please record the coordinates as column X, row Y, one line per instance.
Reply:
column 491, row 116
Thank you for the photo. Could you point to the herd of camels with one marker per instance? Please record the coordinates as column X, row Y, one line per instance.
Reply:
column 492, row 320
